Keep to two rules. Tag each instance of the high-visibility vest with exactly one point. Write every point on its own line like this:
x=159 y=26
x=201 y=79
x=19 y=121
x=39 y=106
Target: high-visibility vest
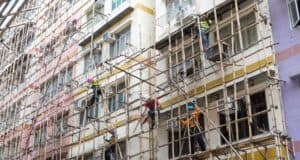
x=204 y=25
x=95 y=83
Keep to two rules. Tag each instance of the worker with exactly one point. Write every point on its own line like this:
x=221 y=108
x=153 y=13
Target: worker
x=150 y=104
x=193 y=123
x=110 y=153
x=96 y=90
x=204 y=26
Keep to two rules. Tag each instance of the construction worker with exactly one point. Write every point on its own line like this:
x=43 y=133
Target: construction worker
x=110 y=153
x=96 y=90
x=204 y=26
x=150 y=104
x=193 y=123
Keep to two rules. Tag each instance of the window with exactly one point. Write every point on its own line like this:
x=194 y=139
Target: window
x=294 y=12
x=90 y=112
x=260 y=120
x=94 y=19
x=69 y=75
x=51 y=87
x=40 y=136
x=120 y=44
x=92 y=60
x=61 y=125
x=54 y=86
x=12 y=115
x=61 y=80
x=248 y=31
x=192 y=62
x=53 y=14
x=13 y=147
x=260 y=123
x=116 y=98
x=249 y=34
x=243 y=130
x=117 y=3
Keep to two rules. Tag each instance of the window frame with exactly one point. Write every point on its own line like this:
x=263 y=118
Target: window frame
x=61 y=125
x=119 y=46
x=293 y=23
x=40 y=135
x=116 y=4
x=256 y=115
x=89 y=60
x=177 y=62
x=245 y=31
x=115 y=93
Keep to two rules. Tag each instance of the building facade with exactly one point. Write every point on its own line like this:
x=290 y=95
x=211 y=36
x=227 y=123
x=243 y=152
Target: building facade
x=286 y=33
x=75 y=84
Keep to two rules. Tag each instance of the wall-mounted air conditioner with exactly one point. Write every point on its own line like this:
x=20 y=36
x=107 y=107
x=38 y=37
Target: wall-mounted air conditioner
x=108 y=37
x=212 y=53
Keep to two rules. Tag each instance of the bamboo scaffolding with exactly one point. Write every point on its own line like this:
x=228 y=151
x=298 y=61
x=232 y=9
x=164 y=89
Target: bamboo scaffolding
x=154 y=146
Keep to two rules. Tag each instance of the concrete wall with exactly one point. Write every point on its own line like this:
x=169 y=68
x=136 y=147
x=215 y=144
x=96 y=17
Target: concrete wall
x=288 y=57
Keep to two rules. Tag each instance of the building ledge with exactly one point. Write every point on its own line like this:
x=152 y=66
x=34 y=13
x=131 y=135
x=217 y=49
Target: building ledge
x=116 y=16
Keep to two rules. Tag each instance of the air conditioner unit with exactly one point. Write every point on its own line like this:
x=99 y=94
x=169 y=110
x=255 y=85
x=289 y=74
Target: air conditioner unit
x=221 y=105
x=108 y=37
x=212 y=52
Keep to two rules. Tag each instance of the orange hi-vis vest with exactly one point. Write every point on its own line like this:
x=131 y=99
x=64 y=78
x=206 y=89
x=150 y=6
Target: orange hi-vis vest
x=193 y=119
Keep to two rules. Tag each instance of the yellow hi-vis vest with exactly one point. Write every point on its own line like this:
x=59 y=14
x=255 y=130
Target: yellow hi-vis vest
x=204 y=26
x=95 y=83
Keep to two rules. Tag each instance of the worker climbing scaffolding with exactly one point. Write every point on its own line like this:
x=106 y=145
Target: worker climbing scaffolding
x=151 y=104
x=203 y=27
x=96 y=90
x=110 y=152
x=196 y=132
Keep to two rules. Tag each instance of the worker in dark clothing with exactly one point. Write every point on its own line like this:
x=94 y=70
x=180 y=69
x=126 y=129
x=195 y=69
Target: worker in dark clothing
x=193 y=123
x=96 y=90
x=110 y=152
x=151 y=104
